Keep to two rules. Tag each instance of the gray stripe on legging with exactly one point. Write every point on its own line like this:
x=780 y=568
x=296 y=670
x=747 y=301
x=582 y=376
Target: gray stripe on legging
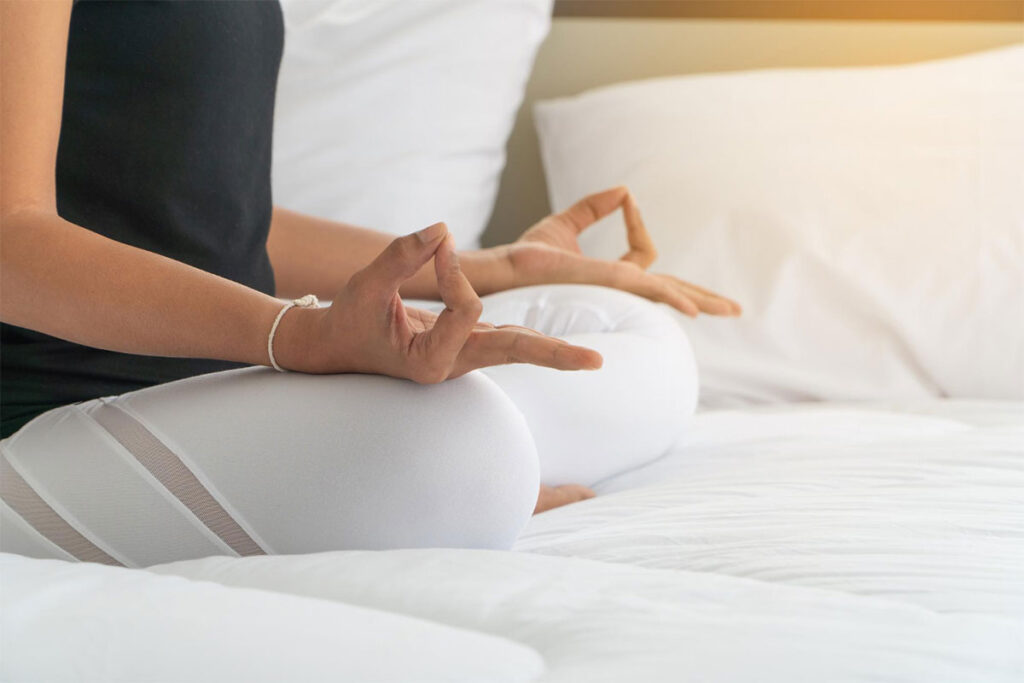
x=31 y=507
x=175 y=475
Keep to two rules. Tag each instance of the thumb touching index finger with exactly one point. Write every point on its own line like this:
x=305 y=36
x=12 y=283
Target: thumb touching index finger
x=402 y=258
x=462 y=306
x=641 y=246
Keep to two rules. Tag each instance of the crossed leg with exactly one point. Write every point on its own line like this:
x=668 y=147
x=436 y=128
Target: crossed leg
x=251 y=461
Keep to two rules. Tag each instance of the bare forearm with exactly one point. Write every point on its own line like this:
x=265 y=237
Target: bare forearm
x=317 y=256
x=71 y=283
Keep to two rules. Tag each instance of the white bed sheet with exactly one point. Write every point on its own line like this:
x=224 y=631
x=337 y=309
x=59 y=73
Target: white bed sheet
x=598 y=622
x=805 y=543
x=921 y=503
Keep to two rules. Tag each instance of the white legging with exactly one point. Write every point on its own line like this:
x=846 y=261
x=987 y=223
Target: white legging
x=252 y=461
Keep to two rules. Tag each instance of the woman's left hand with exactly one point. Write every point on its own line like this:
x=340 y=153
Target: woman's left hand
x=549 y=253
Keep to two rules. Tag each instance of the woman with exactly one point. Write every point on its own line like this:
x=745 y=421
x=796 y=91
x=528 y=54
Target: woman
x=146 y=270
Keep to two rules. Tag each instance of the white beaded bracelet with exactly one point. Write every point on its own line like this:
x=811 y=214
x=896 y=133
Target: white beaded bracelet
x=308 y=301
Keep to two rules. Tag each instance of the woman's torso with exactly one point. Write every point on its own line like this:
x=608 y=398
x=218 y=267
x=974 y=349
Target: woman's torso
x=165 y=144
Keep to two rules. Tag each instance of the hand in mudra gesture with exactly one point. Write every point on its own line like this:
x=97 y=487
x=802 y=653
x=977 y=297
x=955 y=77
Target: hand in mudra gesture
x=368 y=329
x=549 y=252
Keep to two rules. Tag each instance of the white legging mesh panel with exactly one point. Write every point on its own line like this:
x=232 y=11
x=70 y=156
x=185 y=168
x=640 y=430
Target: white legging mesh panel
x=172 y=473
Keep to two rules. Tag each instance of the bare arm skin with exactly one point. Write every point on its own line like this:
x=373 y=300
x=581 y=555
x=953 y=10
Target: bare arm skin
x=63 y=280
x=318 y=256
x=66 y=281
x=315 y=255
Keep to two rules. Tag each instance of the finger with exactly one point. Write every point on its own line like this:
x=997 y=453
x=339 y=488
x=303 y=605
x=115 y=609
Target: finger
x=655 y=288
x=707 y=304
x=399 y=261
x=641 y=246
x=702 y=290
x=462 y=309
x=530 y=346
x=711 y=304
x=628 y=277
x=503 y=346
x=593 y=208
x=659 y=290
x=528 y=330
x=715 y=303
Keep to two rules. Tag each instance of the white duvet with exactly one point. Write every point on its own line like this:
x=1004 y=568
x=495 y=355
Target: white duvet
x=816 y=543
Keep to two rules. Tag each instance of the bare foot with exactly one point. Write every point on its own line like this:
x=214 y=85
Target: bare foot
x=557 y=496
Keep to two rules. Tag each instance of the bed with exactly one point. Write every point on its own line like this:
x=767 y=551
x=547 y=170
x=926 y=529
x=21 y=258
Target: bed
x=822 y=542
x=828 y=514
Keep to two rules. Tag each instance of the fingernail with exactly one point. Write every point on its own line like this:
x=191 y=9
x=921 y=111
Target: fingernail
x=431 y=233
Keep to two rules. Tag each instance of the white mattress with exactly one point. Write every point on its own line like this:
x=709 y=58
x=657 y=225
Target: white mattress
x=819 y=542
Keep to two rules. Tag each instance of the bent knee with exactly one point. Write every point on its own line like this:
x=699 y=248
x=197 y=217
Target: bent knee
x=411 y=466
x=589 y=426
x=476 y=485
x=632 y=332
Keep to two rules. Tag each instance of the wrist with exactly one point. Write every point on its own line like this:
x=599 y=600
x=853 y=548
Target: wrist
x=489 y=270
x=298 y=342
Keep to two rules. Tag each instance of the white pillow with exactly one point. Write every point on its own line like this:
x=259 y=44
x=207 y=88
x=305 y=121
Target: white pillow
x=871 y=220
x=394 y=114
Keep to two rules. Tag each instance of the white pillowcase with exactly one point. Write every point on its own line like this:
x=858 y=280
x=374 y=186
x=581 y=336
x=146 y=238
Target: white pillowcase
x=871 y=220
x=394 y=114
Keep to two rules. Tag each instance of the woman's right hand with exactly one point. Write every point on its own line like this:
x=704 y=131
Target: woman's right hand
x=368 y=330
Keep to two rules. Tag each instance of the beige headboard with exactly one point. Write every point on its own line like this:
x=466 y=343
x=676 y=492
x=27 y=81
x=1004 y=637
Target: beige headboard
x=583 y=53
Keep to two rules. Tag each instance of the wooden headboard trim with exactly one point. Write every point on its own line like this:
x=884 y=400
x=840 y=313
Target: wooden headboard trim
x=887 y=10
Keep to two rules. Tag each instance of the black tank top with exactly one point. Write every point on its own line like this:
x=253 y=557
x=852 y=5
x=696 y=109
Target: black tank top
x=164 y=145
